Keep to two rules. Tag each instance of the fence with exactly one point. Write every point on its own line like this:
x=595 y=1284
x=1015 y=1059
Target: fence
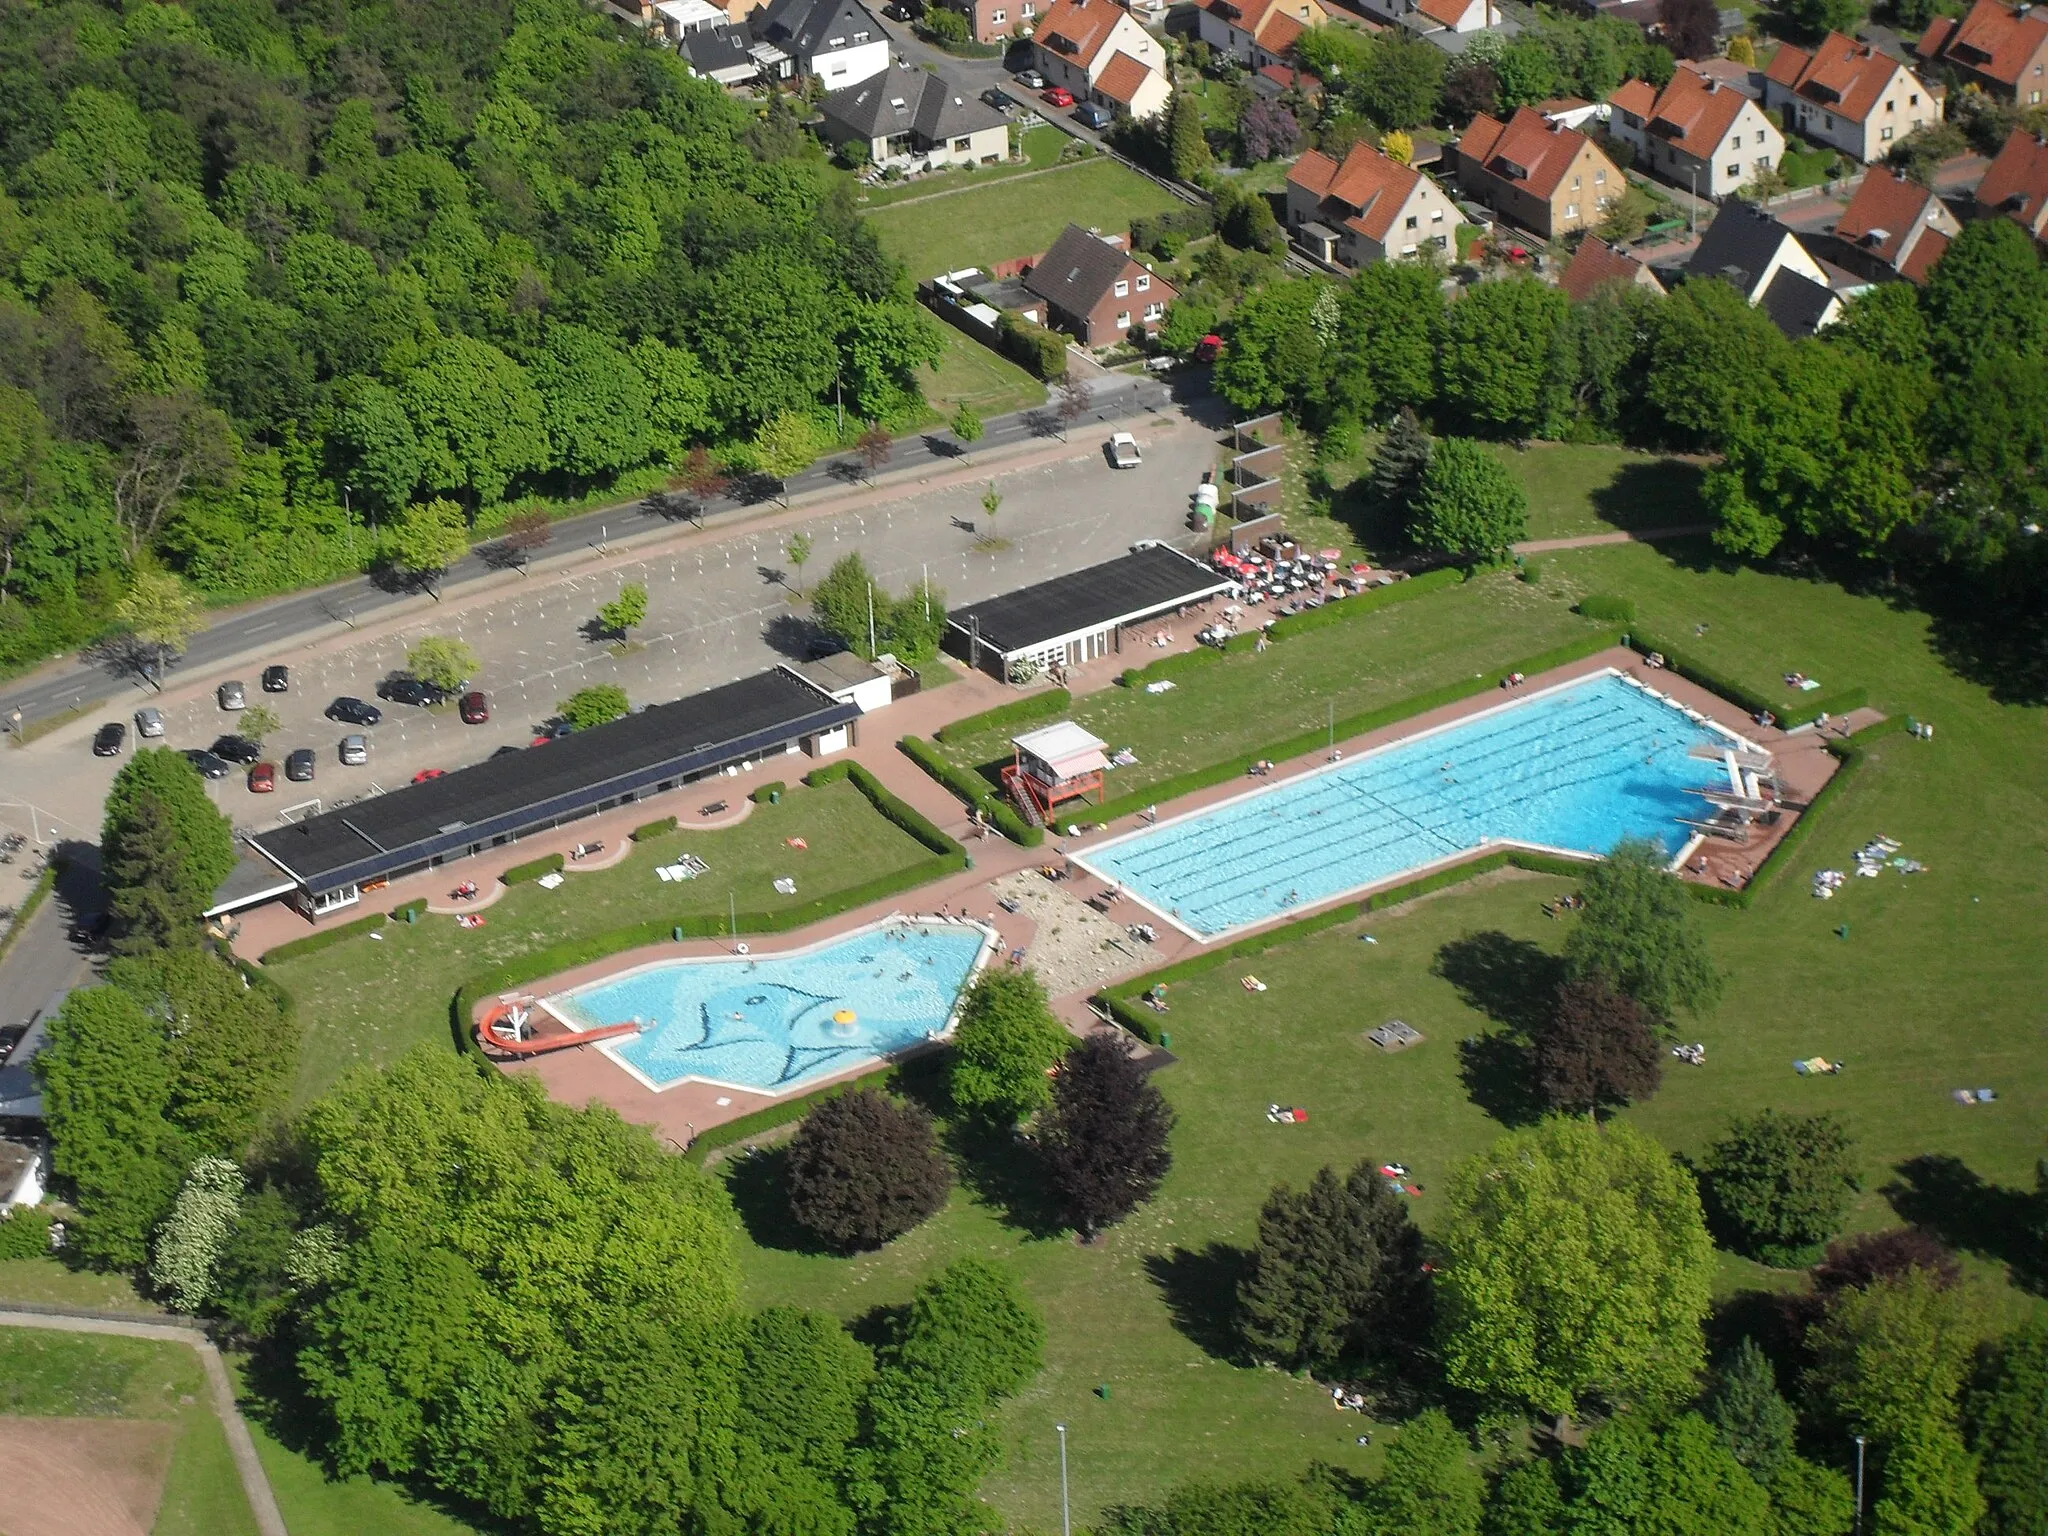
x=1260 y=454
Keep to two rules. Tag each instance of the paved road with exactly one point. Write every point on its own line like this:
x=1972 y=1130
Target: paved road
x=262 y=1502
x=283 y=622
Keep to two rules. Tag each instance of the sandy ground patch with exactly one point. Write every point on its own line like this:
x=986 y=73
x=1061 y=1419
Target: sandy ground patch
x=1073 y=947
x=83 y=1477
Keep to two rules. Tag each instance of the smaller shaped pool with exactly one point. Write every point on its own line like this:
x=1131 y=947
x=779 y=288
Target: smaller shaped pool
x=770 y=1023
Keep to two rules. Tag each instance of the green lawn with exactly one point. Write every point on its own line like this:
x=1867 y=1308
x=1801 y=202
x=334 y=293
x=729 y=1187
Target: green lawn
x=90 y=1376
x=368 y=1001
x=1002 y=220
x=1041 y=146
x=47 y=1282
x=315 y=1505
x=1936 y=986
x=1246 y=700
x=970 y=373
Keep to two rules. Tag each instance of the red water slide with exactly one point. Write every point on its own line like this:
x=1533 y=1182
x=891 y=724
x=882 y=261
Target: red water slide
x=490 y=1039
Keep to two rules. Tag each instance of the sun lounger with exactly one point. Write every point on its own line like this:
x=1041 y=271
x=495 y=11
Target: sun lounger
x=549 y=882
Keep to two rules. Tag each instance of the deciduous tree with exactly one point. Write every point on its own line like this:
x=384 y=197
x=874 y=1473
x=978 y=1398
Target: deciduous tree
x=599 y=704
x=477 y=418
x=1638 y=931
x=1778 y=1185
x=875 y=447
x=1678 y=1481
x=626 y=612
x=444 y=661
x=432 y=536
x=1104 y=1137
x=1470 y=505
x=786 y=444
x=1005 y=1047
x=864 y=1169
x=966 y=425
x=526 y=532
x=162 y=613
x=2006 y=1416
x=1597 y=1049
x=1891 y=1357
x=1497 y=350
x=189 y=1243
x=1930 y=1485
x=799 y=555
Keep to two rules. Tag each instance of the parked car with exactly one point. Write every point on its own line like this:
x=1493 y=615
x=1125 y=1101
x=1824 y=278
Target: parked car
x=476 y=709
x=896 y=13
x=236 y=749
x=299 y=766
x=209 y=766
x=149 y=722
x=355 y=751
x=1060 y=96
x=354 y=711
x=1094 y=115
x=409 y=690
x=554 y=730
x=1123 y=451
x=108 y=742
x=277 y=679
x=232 y=696
x=263 y=778
x=1000 y=99
x=1031 y=79
x=426 y=775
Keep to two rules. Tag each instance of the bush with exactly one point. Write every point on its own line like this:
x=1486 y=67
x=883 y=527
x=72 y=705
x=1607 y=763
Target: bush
x=1832 y=704
x=1038 y=351
x=1607 y=608
x=1032 y=707
x=654 y=829
x=405 y=909
x=1777 y=1186
x=1182 y=224
x=518 y=874
x=763 y=792
x=865 y=1169
x=25 y=1232
x=313 y=943
x=976 y=791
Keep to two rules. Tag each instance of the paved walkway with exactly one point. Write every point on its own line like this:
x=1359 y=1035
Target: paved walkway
x=255 y=1484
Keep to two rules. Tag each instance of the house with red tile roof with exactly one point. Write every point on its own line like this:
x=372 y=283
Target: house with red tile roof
x=1849 y=95
x=1096 y=289
x=1257 y=32
x=1129 y=87
x=1370 y=208
x=1078 y=39
x=2000 y=48
x=1894 y=227
x=1596 y=264
x=2017 y=183
x=1540 y=175
x=994 y=21
x=1695 y=133
x=1425 y=17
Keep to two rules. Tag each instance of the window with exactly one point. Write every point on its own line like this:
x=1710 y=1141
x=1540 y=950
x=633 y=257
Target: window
x=1734 y=170
x=1437 y=217
x=1599 y=180
x=1913 y=100
x=1030 y=10
x=1759 y=135
x=1408 y=250
x=1123 y=321
x=1576 y=180
x=860 y=37
x=1123 y=288
x=1154 y=311
x=1828 y=118
x=1571 y=210
x=1145 y=282
x=1412 y=222
x=1891 y=106
x=835 y=42
x=1763 y=162
x=1884 y=133
x=963 y=145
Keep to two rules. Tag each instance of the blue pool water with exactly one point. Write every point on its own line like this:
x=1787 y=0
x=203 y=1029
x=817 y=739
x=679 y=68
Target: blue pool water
x=766 y=1022
x=1579 y=767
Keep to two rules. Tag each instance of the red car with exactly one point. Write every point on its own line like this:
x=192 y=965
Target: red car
x=1060 y=96
x=263 y=778
x=476 y=709
x=428 y=773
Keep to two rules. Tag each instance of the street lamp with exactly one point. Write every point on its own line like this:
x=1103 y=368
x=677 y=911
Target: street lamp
x=15 y=721
x=1859 y=1485
x=1066 y=1514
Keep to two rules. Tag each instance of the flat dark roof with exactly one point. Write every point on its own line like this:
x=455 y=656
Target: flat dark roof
x=507 y=795
x=1121 y=591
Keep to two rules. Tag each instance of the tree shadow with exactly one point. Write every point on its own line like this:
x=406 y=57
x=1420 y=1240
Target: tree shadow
x=128 y=659
x=799 y=638
x=1043 y=423
x=759 y=1184
x=1200 y=1291
x=750 y=490
x=501 y=556
x=1943 y=1194
x=999 y=1169
x=672 y=507
x=944 y=447
x=596 y=631
x=847 y=471
x=1512 y=981
x=880 y=1327
x=1499 y=1074
x=1654 y=493
x=1998 y=645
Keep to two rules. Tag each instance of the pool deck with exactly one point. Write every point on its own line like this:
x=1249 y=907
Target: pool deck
x=1079 y=970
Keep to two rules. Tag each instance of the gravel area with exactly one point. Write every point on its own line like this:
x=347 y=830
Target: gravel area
x=1075 y=948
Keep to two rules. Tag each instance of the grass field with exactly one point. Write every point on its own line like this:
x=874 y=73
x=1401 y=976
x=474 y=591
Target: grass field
x=48 y=1374
x=1001 y=220
x=970 y=373
x=368 y=1001
x=1244 y=701
x=1935 y=986
x=1041 y=146
x=315 y=1505
x=47 y=1282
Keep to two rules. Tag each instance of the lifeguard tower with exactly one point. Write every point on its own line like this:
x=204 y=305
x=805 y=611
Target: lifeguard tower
x=1054 y=764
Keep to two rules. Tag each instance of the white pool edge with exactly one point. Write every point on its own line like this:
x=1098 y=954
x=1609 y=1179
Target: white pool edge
x=1351 y=893
x=990 y=942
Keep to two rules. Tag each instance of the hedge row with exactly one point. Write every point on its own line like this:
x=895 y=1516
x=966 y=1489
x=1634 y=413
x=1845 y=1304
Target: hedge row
x=325 y=938
x=760 y=793
x=654 y=829
x=1608 y=608
x=551 y=864
x=25 y=1232
x=1695 y=671
x=45 y=883
x=1828 y=704
x=896 y=1081
x=699 y=925
x=1033 y=706
x=1038 y=351
x=1191 y=222
x=417 y=904
x=1170 y=667
x=1350 y=725
x=975 y=791
x=1121 y=999
x=903 y=814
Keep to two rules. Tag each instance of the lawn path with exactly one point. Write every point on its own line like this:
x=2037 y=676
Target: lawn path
x=1618 y=536
x=255 y=1485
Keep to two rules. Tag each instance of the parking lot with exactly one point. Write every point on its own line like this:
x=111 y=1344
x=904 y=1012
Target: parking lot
x=721 y=605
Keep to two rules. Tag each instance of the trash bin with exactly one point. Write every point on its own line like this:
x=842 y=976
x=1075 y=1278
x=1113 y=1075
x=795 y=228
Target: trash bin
x=775 y=797
x=1165 y=1040
x=677 y=933
x=1102 y=1391
x=412 y=914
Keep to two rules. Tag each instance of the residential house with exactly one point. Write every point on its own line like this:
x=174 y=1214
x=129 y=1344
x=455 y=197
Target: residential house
x=1571 y=111
x=1440 y=19
x=678 y=19
x=1133 y=89
x=913 y=117
x=1596 y=264
x=1894 y=228
x=837 y=42
x=1096 y=289
x=996 y=21
x=1999 y=48
x=1769 y=266
x=1695 y=133
x=2017 y=183
x=1740 y=77
x=1848 y=95
x=1257 y=32
x=1542 y=176
x=1076 y=40
x=723 y=54
x=1274 y=81
x=1370 y=208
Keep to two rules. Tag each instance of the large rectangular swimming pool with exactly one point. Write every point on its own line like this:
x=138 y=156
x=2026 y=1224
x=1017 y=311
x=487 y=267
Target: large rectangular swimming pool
x=1577 y=767
x=771 y=1023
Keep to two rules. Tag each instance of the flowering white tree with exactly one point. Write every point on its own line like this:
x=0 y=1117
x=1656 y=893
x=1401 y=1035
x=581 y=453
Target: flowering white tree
x=188 y=1243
